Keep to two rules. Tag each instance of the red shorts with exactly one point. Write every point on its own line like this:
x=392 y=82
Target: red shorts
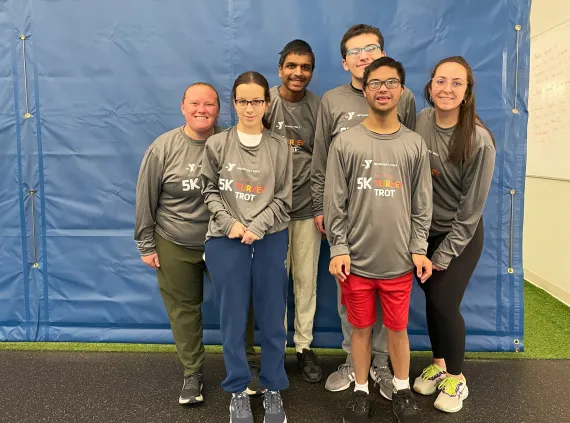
x=359 y=298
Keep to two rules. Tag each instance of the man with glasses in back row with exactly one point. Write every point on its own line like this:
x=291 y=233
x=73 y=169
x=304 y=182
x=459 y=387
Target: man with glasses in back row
x=342 y=108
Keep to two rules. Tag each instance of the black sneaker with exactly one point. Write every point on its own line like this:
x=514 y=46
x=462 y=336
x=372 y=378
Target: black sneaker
x=405 y=408
x=311 y=370
x=254 y=388
x=192 y=389
x=358 y=408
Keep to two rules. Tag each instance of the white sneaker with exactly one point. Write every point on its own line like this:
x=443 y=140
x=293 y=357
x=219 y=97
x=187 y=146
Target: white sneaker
x=453 y=392
x=428 y=381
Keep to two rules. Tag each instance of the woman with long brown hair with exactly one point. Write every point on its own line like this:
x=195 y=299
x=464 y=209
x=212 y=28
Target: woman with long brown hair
x=462 y=157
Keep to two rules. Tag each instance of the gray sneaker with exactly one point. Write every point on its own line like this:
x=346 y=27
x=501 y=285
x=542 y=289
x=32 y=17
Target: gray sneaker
x=341 y=379
x=382 y=376
x=274 y=411
x=240 y=409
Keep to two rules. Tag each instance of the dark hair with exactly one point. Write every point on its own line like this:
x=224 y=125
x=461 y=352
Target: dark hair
x=355 y=31
x=205 y=84
x=384 y=61
x=253 y=77
x=464 y=132
x=299 y=47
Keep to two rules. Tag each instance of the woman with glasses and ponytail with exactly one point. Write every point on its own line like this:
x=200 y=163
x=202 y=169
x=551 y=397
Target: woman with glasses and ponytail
x=247 y=173
x=462 y=156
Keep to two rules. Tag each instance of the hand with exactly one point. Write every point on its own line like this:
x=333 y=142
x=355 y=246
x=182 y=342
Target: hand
x=238 y=230
x=320 y=224
x=249 y=238
x=151 y=260
x=423 y=267
x=436 y=267
x=340 y=267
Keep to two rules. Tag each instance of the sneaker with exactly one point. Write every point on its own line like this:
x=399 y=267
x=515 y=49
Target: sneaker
x=311 y=371
x=341 y=379
x=453 y=392
x=405 y=408
x=358 y=408
x=254 y=388
x=240 y=409
x=192 y=389
x=274 y=411
x=428 y=381
x=382 y=376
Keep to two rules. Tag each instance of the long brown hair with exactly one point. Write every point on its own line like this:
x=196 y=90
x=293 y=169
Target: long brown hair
x=464 y=132
x=252 y=77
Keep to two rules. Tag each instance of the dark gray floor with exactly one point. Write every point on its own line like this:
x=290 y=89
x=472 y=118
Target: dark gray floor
x=125 y=387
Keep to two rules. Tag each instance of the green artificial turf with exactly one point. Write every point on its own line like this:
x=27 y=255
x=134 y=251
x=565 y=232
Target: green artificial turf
x=547 y=336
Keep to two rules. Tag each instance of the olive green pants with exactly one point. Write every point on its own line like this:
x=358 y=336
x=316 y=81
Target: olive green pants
x=181 y=282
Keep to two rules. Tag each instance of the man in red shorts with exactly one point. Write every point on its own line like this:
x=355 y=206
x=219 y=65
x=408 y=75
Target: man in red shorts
x=377 y=207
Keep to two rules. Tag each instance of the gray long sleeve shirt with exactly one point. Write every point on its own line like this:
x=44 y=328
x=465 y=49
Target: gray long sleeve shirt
x=252 y=185
x=342 y=108
x=377 y=200
x=459 y=189
x=296 y=122
x=169 y=197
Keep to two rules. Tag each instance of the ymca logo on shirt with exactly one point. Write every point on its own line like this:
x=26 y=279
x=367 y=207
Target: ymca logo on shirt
x=192 y=167
x=281 y=124
x=230 y=166
x=351 y=115
x=368 y=163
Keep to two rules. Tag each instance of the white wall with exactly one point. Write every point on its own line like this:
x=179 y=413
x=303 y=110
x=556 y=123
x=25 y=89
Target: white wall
x=546 y=245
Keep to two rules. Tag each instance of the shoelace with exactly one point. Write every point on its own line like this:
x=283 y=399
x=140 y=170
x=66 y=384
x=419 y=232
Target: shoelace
x=344 y=369
x=381 y=372
x=242 y=405
x=449 y=386
x=192 y=381
x=272 y=402
x=359 y=404
x=405 y=403
x=430 y=372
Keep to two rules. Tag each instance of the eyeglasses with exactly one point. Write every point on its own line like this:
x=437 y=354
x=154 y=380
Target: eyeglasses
x=369 y=49
x=376 y=84
x=456 y=84
x=242 y=104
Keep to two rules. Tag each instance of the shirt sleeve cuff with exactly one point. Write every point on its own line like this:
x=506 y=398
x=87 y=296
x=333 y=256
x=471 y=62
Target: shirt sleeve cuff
x=339 y=250
x=254 y=230
x=418 y=246
x=228 y=229
x=441 y=259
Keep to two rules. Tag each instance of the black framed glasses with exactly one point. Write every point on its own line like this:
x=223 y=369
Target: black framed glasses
x=369 y=49
x=376 y=84
x=242 y=103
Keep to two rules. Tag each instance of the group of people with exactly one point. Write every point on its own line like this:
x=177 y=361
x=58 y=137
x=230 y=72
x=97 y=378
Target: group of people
x=398 y=196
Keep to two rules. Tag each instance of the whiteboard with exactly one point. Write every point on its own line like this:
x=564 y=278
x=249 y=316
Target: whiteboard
x=548 y=147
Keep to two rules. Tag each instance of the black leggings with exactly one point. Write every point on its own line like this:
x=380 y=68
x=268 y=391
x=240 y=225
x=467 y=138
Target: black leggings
x=444 y=292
